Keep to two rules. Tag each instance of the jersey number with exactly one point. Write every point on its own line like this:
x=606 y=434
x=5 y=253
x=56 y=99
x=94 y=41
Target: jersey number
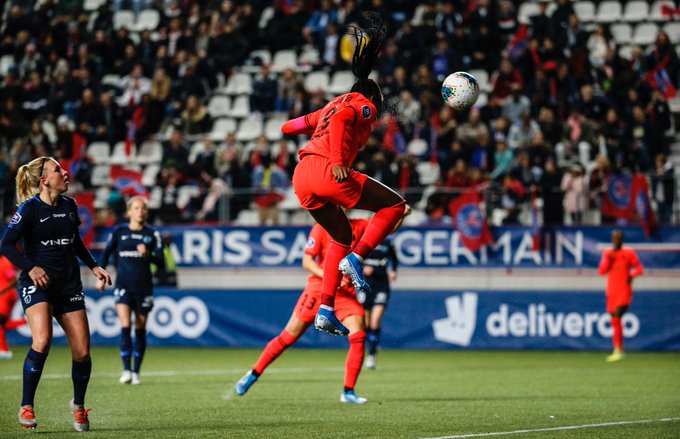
x=327 y=118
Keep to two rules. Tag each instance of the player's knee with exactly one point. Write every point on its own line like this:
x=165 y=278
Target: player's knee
x=81 y=355
x=41 y=343
x=358 y=337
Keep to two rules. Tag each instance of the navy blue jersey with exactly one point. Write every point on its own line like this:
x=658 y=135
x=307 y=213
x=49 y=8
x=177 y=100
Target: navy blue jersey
x=50 y=239
x=380 y=257
x=133 y=271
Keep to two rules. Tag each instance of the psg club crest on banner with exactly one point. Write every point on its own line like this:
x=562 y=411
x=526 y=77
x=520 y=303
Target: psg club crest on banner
x=469 y=221
x=619 y=191
x=128 y=185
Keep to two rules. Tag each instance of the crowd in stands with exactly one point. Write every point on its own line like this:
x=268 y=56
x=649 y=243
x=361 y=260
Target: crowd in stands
x=562 y=108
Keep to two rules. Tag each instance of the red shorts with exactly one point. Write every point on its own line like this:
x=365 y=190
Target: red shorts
x=315 y=185
x=616 y=300
x=346 y=304
x=7 y=302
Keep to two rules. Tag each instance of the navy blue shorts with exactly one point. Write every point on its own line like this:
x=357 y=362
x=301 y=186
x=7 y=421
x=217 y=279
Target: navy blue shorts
x=379 y=295
x=140 y=303
x=64 y=296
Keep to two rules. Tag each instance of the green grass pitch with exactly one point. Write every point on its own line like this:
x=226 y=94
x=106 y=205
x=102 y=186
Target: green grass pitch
x=187 y=393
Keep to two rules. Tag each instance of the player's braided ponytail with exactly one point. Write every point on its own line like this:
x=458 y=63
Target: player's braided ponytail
x=369 y=41
x=28 y=178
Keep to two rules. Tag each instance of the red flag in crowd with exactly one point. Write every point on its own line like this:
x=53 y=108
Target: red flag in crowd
x=72 y=164
x=643 y=207
x=470 y=221
x=127 y=181
x=617 y=199
x=85 y=201
x=535 y=224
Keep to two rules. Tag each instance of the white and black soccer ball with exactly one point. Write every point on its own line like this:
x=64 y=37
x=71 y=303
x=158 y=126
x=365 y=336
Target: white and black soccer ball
x=460 y=90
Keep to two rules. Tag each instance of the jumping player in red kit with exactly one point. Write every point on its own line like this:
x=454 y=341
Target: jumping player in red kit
x=324 y=182
x=620 y=264
x=8 y=297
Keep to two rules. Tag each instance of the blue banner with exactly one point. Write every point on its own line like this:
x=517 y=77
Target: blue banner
x=423 y=247
x=414 y=320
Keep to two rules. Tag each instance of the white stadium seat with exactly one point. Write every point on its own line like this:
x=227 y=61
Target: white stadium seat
x=239 y=84
x=151 y=152
x=148 y=19
x=284 y=59
x=222 y=127
x=482 y=78
x=428 y=172
x=241 y=107
x=119 y=157
x=673 y=31
x=150 y=174
x=655 y=10
x=645 y=33
x=417 y=147
x=635 y=11
x=609 y=12
x=585 y=11
x=315 y=81
x=272 y=128
x=124 y=19
x=101 y=197
x=185 y=194
x=6 y=62
x=101 y=175
x=250 y=128
x=99 y=152
x=622 y=33
x=219 y=105
x=341 y=82
x=526 y=10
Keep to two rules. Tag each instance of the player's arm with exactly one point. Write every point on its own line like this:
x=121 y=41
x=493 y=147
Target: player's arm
x=156 y=251
x=9 y=249
x=309 y=263
x=111 y=246
x=301 y=125
x=339 y=123
x=635 y=263
x=605 y=262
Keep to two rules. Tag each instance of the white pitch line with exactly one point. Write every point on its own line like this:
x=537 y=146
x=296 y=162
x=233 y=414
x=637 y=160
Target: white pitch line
x=567 y=427
x=172 y=373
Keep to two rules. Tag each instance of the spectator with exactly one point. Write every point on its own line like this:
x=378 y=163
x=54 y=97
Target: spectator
x=226 y=153
x=575 y=195
x=175 y=152
x=195 y=117
x=663 y=189
x=579 y=140
x=512 y=197
x=270 y=183
x=504 y=160
x=134 y=85
x=516 y=104
x=316 y=26
x=522 y=132
x=263 y=96
x=597 y=186
x=551 y=192
x=468 y=132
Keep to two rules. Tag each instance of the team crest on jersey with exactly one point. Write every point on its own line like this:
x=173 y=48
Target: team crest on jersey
x=366 y=111
x=16 y=218
x=310 y=243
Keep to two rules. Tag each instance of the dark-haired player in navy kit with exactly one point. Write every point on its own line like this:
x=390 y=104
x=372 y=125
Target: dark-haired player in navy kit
x=134 y=246
x=378 y=276
x=49 y=284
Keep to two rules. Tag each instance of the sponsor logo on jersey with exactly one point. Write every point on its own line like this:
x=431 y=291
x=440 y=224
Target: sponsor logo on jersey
x=42 y=220
x=15 y=218
x=130 y=254
x=52 y=242
x=310 y=243
x=366 y=111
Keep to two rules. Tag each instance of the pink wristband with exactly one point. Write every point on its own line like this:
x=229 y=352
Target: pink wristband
x=299 y=123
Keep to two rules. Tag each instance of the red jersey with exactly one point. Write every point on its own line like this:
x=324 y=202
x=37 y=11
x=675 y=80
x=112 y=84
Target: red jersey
x=620 y=266
x=8 y=273
x=319 y=241
x=339 y=129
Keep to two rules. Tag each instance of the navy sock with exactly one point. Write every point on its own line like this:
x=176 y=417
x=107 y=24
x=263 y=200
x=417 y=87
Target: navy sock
x=80 y=374
x=33 y=367
x=140 y=348
x=125 y=347
x=373 y=338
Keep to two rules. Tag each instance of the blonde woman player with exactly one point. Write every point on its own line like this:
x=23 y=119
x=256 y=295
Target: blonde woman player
x=134 y=246
x=49 y=284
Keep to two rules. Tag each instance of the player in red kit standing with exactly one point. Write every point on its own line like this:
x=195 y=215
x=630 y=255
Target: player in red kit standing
x=8 y=297
x=324 y=182
x=620 y=264
x=349 y=311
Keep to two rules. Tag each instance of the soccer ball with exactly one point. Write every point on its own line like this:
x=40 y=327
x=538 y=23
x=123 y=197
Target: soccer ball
x=460 y=90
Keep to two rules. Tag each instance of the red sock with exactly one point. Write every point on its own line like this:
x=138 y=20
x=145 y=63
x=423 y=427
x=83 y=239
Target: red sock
x=11 y=325
x=3 y=339
x=618 y=333
x=331 y=273
x=355 y=357
x=274 y=348
x=379 y=227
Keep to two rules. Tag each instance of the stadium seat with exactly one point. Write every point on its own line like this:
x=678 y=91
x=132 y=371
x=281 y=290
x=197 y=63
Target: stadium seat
x=482 y=100
x=101 y=176
x=416 y=218
x=622 y=33
x=645 y=33
x=300 y=217
x=124 y=19
x=151 y=152
x=655 y=11
x=6 y=62
x=482 y=78
x=526 y=10
x=417 y=147
x=272 y=128
x=428 y=172
x=185 y=194
x=50 y=130
x=111 y=81
x=155 y=198
x=238 y=84
x=673 y=31
x=418 y=14
x=626 y=51
x=249 y=128
x=119 y=157
x=222 y=127
x=308 y=57
x=101 y=197
x=609 y=12
x=148 y=19
x=285 y=59
x=290 y=200
x=341 y=82
x=267 y=14
x=150 y=173
x=255 y=60
x=92 y=5
x=219 y=105
x=99 y=152
x=247 y=217
x=317 y=81
x=636 y=10
x=585 y=11
x=195 y=150
x=241 y=107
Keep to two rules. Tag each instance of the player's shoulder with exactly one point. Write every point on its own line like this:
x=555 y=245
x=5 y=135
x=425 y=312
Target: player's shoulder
x=69 y=201
x=25 y=210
